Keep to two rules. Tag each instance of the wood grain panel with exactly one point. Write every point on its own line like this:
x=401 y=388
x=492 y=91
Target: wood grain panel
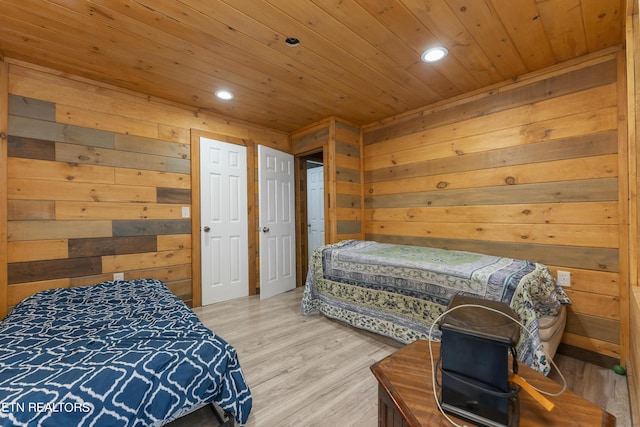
x=70 y=210
x=51 y=131
x=582 y=78
x=596 y=190
x=50 y=230
x=165 y=273
x=138 y=144
x=26 y=210
x=111 y=246
x=4 y=215
x=78 y=116
x=602 y=306
x=592 y=344
x=114 y=263
x=565 y=235
x=505 y=130
x=529 y=213
x=37 y=250
x=17 y=293
x=634 y=351
x=151 y=227
x=554 y=171
x=33 y=108
x=309 y=141
x=602 y=143
x=173 y=133
x=108 y=157
x=593 y=327
x=592 y=282
x=173 y=195
x=60 y=171
x=33 y=189
x=173 y=241
x=148 y=178
x=34 y=271
x=349 y=227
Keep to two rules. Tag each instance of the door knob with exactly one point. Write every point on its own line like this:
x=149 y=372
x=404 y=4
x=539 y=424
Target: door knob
x=265 y=229
x=206 y=229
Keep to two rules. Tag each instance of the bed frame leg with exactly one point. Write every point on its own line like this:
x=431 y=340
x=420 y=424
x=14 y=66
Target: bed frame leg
x=228 y=423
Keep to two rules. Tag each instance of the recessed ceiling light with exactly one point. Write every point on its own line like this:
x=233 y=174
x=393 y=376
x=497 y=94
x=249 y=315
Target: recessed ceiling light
x=224 y=94
x=292 y=41
x=434 y=54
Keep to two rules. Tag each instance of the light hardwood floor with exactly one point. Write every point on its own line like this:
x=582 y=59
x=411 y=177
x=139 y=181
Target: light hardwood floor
x=313 y=371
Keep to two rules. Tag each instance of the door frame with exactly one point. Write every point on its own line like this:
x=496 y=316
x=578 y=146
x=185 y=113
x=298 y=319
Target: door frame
x=302 y=241
x=196 y=249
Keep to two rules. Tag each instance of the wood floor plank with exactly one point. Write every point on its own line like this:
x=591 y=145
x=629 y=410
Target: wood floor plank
x=314 y=371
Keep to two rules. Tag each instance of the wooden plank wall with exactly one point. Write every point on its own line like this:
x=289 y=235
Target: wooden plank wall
x=632 y=28
x=349 y=202
x=4 y=114
x=529 y=169
x=340 y=144
x=97 y=179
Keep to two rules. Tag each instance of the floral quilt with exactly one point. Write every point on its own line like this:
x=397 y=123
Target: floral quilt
x=400 y=290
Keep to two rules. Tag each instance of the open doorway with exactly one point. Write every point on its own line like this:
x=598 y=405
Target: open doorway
x=315 y=206
x=311 y=208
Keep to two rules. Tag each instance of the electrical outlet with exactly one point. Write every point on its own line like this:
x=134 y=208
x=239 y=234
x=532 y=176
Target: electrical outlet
x=564 y=278
x=118 y=276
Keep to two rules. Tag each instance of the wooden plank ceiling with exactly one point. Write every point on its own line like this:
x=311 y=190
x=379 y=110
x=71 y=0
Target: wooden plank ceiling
x=357 y=59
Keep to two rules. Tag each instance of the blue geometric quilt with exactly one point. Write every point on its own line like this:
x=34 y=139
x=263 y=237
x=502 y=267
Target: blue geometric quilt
x=125 y=353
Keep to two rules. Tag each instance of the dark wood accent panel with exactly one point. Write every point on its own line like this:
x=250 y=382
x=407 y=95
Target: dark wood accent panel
x=92 y=155
x=151 y=227
x=305 y=141
x=33 y=108
x=111 y=246
x=31 y=210
x=578 y=80
x=600 y=259
x=42 y=129
x=347 y=149
x=348 y=201
x=30 y=148
x=593 y=327
x=597 y=359
x=53 y=269
x=349 y=227
x=347 y=175
x=174 y=195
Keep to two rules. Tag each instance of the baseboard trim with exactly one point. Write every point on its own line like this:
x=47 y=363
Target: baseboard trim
x=588 y=356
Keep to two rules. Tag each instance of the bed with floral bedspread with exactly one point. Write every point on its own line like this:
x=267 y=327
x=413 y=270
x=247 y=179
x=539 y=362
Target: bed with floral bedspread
x=400 y=290
x=125 y=353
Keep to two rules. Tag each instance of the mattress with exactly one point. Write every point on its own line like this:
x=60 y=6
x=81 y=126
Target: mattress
x=551 y=329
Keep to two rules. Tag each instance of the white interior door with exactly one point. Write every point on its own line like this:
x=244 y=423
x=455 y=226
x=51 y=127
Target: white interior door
x=315 y=208
x=277 y=222
x=224 y=221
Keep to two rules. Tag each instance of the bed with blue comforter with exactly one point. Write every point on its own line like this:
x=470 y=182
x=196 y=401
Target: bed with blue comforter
x=400 y=290
x=125 y=353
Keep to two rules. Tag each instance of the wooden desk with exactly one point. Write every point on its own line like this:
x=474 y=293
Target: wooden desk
x=405 y=395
